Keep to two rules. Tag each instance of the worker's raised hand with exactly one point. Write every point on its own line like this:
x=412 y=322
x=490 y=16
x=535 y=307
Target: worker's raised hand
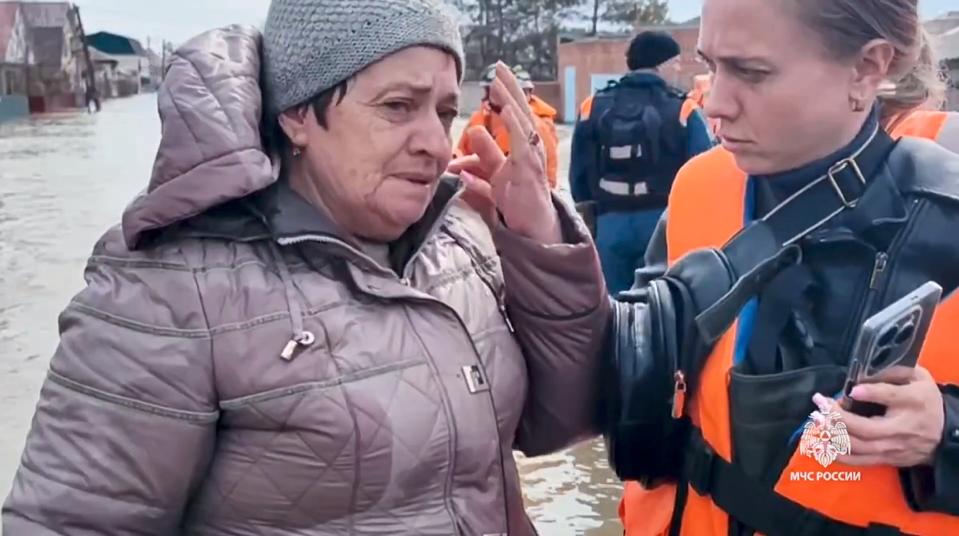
x=514 y=187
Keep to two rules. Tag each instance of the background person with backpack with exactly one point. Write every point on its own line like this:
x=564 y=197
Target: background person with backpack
x=629 y=143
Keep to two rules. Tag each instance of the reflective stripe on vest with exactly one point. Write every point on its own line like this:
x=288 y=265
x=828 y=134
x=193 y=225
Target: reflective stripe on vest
x=706 y=209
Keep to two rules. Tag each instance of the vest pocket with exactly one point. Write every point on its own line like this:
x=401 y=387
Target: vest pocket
x=766 y=411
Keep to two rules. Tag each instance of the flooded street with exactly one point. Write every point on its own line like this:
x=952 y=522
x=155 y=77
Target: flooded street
x=63 y=181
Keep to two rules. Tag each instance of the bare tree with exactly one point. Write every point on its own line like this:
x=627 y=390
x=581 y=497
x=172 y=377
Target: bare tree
x=629 y=13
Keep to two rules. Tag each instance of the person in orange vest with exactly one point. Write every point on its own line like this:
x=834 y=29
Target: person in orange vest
x=837 y=200
x=941 y=126
x=921 y=119
x=488 y=117
x=696 y=100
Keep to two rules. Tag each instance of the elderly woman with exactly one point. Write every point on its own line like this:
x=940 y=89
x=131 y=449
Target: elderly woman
x=336 y=345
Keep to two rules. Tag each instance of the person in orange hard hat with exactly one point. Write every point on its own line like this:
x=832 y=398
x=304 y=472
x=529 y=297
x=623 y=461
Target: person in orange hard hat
x=488 y=117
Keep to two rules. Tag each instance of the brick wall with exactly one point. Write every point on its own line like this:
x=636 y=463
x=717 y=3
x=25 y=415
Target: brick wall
x=608 y=56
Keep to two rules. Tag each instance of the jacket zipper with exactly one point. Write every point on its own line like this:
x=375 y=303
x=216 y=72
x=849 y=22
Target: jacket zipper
x=876 y=282
x=499 y=442
x=436 y=225
x=500 y=297
x=405 y=280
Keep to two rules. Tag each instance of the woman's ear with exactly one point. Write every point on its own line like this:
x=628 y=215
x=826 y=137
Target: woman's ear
x=871 y=69
x=293 y=122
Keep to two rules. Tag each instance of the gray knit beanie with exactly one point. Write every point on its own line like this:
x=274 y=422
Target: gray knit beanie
x=313 y=45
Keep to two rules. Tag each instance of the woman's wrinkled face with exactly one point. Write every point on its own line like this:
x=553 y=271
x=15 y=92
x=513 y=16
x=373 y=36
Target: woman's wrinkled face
x=781 y=99
x=376 y=164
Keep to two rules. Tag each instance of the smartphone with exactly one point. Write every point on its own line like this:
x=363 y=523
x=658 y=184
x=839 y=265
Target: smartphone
x=888 y=345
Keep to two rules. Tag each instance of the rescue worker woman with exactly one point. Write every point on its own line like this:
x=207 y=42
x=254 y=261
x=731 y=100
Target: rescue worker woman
x=828 y=60
x=796 y=92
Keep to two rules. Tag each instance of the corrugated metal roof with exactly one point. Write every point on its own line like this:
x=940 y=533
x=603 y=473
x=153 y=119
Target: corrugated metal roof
x=118 y=45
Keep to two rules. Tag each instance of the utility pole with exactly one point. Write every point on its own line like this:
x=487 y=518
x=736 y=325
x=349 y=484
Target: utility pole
x=91 y=94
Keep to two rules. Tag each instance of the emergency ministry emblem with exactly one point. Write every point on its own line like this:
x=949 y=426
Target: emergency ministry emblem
x=825 y=438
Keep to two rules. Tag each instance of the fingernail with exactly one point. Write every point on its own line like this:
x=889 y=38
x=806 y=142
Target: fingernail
x=857 y=392
x=821 y=402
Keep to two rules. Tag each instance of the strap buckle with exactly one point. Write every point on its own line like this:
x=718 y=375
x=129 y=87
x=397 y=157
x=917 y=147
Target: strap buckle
x=838 y=167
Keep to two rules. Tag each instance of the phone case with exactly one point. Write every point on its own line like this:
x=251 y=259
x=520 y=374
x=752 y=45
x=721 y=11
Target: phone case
x=889 y=343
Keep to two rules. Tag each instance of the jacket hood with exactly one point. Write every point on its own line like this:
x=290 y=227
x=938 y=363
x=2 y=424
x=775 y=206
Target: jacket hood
x=211 y=149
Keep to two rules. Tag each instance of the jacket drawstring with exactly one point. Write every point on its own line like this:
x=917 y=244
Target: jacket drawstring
x=301 y=337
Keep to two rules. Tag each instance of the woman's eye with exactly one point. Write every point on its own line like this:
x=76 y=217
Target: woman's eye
x=752 y=75
x=397 y=106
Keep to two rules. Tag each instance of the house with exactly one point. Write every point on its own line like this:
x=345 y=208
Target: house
x=56 y=78
x=133 y=63
x=105 y=74
x=15 y=58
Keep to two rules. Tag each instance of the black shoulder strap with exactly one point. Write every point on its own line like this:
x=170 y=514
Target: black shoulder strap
x=757 y=506
x=753 y=249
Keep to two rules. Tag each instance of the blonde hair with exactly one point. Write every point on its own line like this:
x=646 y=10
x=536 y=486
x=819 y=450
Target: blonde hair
x=915 y=79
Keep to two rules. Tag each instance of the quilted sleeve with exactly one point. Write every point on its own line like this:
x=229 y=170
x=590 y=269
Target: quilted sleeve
x=125 y=425
x=558 y=302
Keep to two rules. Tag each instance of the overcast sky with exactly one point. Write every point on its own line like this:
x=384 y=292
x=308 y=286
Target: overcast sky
x=178 y=20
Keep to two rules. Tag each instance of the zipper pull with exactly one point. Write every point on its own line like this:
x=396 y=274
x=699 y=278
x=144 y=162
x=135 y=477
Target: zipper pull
x=882 y=260
x=679 y=394
x=509 y=323
x=302 y=340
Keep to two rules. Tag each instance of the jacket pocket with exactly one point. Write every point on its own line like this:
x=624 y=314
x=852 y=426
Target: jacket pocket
x=300 y=388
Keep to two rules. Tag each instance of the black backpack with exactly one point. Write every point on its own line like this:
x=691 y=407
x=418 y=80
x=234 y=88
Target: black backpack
x=640 y=145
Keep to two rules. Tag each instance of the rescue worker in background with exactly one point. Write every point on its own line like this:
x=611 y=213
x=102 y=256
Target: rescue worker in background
x=791 y=345
x=488 y=116
x=628 y=145
x=696 y=100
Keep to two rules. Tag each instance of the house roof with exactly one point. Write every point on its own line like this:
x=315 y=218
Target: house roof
x=47 y=46
x=8 y=21
x=115 y=44
x=46 y=14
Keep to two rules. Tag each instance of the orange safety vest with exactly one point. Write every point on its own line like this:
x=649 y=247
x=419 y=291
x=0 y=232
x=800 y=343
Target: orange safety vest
x=920 y=123
x=543 y=114
x=585 y=108
x=706 y=209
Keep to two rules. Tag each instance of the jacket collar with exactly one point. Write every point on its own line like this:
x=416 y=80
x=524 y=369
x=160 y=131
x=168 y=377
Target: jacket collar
x=642 y=78
x=280 y=214
x=881 y=209
x=290 y=220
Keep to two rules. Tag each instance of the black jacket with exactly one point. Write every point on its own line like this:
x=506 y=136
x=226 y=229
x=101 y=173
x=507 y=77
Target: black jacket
x=900 y=235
